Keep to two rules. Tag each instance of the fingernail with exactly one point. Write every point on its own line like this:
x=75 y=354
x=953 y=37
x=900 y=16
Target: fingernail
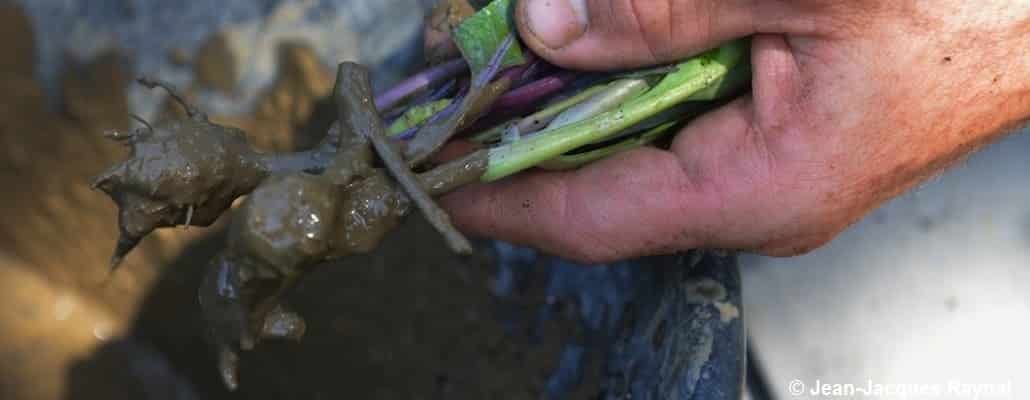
x=556 y=23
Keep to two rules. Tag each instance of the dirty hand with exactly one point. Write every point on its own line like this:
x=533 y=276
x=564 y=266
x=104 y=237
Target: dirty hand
x=852 y=103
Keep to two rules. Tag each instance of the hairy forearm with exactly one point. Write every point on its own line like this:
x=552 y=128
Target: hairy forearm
x=943 y=78
x=984 y=66
x=943 y=81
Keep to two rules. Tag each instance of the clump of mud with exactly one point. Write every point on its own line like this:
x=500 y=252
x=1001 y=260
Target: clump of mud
x=411 y=320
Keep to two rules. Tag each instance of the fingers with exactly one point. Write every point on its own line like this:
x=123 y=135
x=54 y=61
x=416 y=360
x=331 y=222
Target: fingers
x=611 y=210
x=615 y=34
x=772 y=168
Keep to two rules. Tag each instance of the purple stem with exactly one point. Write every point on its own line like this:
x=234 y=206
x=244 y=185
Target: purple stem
x=406 y=134
x=532 y=73
x=390 y=98
x=487 y=74
x=390 y=116
x=523 y=99
x=517 y=73
x=443 y=91
x=512 y=73
x=523 y=96
x=534 y=91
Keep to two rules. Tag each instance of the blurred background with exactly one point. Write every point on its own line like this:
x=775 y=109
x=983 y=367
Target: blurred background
x=930 y=289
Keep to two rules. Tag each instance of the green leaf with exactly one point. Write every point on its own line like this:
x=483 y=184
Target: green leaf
x=480 y=35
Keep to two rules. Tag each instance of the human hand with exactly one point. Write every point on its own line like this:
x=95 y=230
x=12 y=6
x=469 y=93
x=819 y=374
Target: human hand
x=852 y=103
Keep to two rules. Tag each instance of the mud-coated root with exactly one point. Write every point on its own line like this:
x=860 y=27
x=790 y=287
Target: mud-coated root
x=241 y=305
x=303 y=208
x=356 y=110
x=287 y=225
x=189 y=172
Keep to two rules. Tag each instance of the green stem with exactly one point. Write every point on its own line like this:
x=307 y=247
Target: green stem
x=570 y=161
x=692 y=76
x=731 y=84
x=540 y=118
x=616 y=93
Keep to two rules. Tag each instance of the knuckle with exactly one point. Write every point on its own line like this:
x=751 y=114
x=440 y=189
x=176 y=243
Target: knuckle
x=653 y=23
x=673 y=28
x=702 y=26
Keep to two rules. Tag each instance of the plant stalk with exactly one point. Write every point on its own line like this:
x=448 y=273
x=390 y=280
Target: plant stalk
x=692 y=76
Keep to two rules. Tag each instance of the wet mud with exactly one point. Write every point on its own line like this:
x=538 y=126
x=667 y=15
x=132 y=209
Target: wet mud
x=306 y=207
x=409 y=321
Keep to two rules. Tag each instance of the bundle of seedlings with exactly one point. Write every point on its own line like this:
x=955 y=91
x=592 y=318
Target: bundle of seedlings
x=375 y=163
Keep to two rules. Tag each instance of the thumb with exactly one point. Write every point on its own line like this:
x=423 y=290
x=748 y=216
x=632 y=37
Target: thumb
x=617 y=34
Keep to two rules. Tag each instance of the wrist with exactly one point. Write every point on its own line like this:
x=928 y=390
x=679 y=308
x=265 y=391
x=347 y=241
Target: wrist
x=968 y=63
x=991 y=39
